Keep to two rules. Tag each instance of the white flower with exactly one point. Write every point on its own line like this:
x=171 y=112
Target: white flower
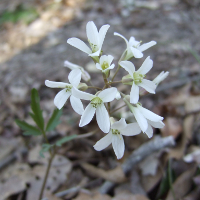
x=62 y=96
x=95 y=39
x=96 y=105
x=118 y=96
x=151 y=124
x=163 y=75
x=138 y=78
x=105 y=63
x=145 y=118
x=118 y=129
x=85 y=75
x=134 y=48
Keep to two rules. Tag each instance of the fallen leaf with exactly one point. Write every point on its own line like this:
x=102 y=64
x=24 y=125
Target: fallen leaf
x=90 y=196
x=192 y=104
x=194 y=195
x=149 y=165
x=12 y=186
x=149 y=182
x=129 y=196
x=172 y=127
x=182 y=184
x=115 y=175
x=179 y=150
x=193 y=156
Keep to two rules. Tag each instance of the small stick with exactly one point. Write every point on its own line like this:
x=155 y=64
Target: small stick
x=139 y=154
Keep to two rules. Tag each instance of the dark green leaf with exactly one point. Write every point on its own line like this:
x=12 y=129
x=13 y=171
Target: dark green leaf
x=65 y=139
x=37 y=112
x=54 y=120
x=29 y=129
x=45 y=148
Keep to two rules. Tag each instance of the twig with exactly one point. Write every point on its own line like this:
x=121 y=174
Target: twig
x=139 y=154
x=177 y=83
x=73 y=189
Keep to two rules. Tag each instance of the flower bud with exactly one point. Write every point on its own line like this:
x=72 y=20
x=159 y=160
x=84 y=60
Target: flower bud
x=82 y=86
x=163 y=75
x=127 y=80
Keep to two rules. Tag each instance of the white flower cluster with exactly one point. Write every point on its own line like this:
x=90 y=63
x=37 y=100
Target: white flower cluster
x=100 y=102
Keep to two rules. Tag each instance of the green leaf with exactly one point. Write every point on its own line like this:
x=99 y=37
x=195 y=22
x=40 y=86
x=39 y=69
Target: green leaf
x=37 y=112
x=54 y=120
x=45 y=148
x=65 y=139
x=29 y=129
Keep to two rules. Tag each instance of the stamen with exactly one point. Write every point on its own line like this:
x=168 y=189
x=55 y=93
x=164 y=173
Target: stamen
x=96 y=102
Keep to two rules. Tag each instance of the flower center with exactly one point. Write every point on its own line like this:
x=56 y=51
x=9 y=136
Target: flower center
x=115 y=132
x=93 y=47
x=96 y=101
x=105 y=65
x=138 y=77
x=137 y=45
x=68 y=88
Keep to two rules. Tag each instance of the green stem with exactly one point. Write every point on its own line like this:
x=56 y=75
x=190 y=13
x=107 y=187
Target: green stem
x=46 y=175
x=117 y=109
x=116 y=72
x=170 y=179
x=114 y=82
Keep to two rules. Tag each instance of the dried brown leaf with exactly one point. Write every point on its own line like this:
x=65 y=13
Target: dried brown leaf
x=182 y=184
x=129 y=196
x=179 y=150
x=172 y=127
x=116 y=175
x=192 y=104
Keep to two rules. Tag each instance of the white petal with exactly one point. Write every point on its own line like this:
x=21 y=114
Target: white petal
x=145 y=46
x=103 y=59
x=127 y=43
x=149 y=86
x=61 y=98
x=128 y=66
x=102 y=33
x=75 y=77
x=141 y=120
x=92 y=33
x=98 y=66
x=79 y=44
x=76 y=105
x=119 y=125
x=160 y=77
x=53 y=84
x=136 y=53
x=133 y=42
x=134 y=95
x=146 y=66
x=111 y=66
x=110 y=59
x=82 y=95
x=159 y=124
x=149 y=131
x=149 y=115
x=95 y=53
x=103 y=142
x=102 y=117
x=71 y=65
x=108 y=94
x=118 y=145
x=87 y=116
x=131 y=129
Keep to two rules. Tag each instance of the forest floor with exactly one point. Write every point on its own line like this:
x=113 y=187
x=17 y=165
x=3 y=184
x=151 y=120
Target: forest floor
x=33 y=48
